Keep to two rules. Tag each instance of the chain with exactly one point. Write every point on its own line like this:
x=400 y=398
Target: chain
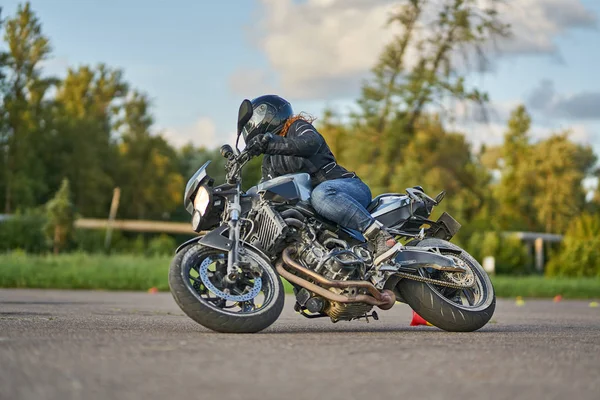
x=434 y=281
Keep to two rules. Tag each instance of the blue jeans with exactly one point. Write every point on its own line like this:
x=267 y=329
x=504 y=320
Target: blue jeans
x=344 y=201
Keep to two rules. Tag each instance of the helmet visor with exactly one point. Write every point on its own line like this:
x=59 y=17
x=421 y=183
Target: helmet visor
x=250 y=129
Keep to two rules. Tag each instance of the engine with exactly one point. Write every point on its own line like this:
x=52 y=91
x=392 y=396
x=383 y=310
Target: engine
x=335 y=260
x=321 y=260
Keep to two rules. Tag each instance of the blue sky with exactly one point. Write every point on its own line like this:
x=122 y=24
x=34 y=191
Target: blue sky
x=198 y=59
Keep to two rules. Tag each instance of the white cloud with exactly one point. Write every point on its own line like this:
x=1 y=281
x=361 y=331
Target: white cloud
x=537 y=23
x=577 y=106
x=251 y=82
x=203 y=133
x=581 y=134
x=493 y=112
x=323 y=48
x=477 y=134
x=323 y=43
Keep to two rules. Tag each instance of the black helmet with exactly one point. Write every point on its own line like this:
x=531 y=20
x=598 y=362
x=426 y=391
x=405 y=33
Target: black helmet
x=269 y=115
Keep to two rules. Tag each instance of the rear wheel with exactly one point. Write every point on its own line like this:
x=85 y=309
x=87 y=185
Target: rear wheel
x=250 y=304
x=456 y=310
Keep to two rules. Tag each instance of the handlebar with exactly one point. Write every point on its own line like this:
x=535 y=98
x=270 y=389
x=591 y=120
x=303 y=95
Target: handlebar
x=235 y=163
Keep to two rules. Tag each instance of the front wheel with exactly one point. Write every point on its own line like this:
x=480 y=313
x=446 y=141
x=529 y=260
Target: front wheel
x=454 y=310
x=197 y=279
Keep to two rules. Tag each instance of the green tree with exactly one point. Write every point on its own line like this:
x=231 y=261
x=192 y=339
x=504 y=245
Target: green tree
x=580 y=252
x=594 y=205
x=541 y=183
x=23 y=106
x=60 y=218
x=336 y=135
x=191 y=158
x=560 y=167
x=441 y=160
x=3 y=118
x=517 y=189
x=83 y=147
x=151 y=184
x=399 y=93
x=252 y=173
x=511 y=257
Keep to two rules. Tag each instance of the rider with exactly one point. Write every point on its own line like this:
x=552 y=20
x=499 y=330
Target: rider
x=291 y=144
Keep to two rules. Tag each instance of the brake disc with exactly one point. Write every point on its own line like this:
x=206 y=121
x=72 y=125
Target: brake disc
x=203 y=271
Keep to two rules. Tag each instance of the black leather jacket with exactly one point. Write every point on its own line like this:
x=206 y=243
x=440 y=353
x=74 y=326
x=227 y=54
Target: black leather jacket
x=303 y=149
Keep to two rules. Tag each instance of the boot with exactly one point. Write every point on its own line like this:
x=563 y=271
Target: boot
x=384 y=244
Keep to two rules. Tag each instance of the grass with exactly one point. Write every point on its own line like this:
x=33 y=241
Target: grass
x=539 y=286
x=84 y=271
x=130 y=272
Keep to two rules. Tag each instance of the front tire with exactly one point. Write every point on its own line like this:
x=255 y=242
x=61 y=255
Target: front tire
x=444 y=307
x=197 y=300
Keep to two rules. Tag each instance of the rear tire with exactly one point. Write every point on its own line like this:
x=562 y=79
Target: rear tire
x=427 y=300
x=222 y=320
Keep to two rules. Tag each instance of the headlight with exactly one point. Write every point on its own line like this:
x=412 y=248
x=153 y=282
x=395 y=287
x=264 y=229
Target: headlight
x=202 y=200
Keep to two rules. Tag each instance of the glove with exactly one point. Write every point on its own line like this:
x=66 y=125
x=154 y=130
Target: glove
x=259 y=144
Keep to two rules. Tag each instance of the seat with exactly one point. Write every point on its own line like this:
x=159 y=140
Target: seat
x=377 y=200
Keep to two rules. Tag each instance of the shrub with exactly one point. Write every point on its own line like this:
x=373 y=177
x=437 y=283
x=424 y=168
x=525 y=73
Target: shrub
x=24 y=231
x=137 y=245
x=161 y=245
x=511 y=256
x=579 y=255
x=60 y=216
x=92 y=241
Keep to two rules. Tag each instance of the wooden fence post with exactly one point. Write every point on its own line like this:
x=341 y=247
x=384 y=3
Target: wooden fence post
x=114 y=206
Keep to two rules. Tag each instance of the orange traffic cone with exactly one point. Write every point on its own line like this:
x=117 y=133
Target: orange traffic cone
x=418 y=320
x=153 y=290
x=557 y=298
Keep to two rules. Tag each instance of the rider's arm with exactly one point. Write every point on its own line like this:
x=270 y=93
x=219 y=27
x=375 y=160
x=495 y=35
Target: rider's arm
x=302 y=141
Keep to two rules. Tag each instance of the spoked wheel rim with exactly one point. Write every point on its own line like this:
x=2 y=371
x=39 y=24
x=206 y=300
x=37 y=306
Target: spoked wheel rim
x=472 y=298
x=204 y=277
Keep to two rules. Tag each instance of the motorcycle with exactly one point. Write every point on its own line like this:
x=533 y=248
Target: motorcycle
x=228 y=279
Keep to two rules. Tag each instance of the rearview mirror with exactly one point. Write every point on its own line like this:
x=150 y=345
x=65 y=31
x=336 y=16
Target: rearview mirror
x=244 y=115
x=440 y=196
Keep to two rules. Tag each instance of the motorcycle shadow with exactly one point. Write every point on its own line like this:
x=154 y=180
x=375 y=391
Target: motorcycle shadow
x=493 y=328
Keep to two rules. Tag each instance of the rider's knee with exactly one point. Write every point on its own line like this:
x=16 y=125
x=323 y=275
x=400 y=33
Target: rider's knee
x=323 y=192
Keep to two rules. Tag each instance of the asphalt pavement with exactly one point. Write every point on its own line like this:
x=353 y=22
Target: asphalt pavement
x=109 y=345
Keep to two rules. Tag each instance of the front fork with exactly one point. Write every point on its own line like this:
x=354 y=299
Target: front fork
x=233 y=267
